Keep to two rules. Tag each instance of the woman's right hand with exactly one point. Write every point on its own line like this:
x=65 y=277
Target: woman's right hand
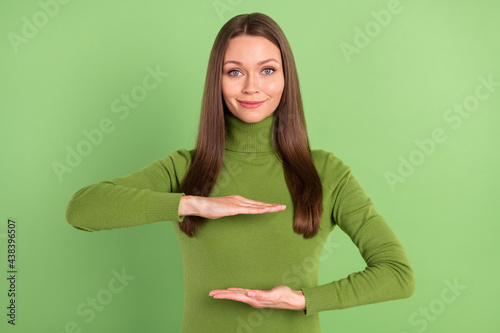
x=215 y=207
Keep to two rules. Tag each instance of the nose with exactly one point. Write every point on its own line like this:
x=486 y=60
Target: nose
x=251 y=85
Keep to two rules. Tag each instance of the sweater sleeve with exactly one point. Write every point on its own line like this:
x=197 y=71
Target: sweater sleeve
x=142 y=197
x=388 y=275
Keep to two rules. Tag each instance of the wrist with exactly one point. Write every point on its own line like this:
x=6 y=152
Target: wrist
x=298 y=301
x=187 y=205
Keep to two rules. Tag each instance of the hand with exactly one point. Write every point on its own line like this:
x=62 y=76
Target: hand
x=215 y=207
x=281 y=297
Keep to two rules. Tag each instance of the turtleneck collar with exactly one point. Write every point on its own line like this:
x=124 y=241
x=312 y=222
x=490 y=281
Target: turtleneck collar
x=249 y=137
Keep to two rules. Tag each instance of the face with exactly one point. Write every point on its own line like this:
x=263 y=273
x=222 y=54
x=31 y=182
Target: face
x=252 y=72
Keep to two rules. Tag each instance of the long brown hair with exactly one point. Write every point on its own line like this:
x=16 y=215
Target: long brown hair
x=289 y=128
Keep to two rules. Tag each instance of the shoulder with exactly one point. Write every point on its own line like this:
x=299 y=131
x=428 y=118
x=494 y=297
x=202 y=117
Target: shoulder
x=329 y=164
x=323 y=157
x=182 y=155
x=178 y=160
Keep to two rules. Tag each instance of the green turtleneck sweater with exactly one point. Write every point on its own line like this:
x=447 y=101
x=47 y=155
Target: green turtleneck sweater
x=255 y=251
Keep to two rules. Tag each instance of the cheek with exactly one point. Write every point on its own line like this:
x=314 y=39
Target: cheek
x=275 y=88
x=229 y=89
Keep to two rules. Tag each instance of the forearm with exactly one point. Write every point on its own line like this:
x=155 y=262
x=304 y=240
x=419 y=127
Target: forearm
x=189 y=205
x=144 y=196
x=382 y=282
x=388 y=275
x=105 y=206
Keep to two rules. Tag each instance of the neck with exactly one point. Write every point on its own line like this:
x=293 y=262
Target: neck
x=249 y=137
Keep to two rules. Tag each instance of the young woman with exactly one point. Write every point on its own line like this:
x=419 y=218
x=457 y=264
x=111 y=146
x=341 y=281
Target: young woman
x=252 y=205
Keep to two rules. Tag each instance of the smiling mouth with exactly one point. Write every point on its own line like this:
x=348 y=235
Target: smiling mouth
x=251 y=104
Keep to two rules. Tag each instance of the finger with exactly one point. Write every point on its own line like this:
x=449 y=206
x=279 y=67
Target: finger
x=238 y=289
x=235 y=296
x=259 y=204
x=216 y=291
x=265 y=204
x=255 y=202
x=242 y=296
x=243 y=199
x=228 y=291
x=262 y=207
x=261 y=210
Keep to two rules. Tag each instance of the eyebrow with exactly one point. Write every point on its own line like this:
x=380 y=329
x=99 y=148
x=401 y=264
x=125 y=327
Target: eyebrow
x=259 y=63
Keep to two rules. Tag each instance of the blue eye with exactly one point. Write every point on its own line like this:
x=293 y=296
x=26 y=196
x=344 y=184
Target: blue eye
x=265 y=71
x=269 y=68
x=231 y=71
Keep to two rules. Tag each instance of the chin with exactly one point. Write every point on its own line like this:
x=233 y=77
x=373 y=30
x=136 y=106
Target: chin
x=252 y=116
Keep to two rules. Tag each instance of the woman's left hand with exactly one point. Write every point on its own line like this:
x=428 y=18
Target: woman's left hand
x=281 y=297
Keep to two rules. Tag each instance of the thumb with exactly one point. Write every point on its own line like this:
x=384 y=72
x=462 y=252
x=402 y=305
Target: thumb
x=252 y=293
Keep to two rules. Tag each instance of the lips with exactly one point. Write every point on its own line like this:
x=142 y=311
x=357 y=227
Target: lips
x=251 y=104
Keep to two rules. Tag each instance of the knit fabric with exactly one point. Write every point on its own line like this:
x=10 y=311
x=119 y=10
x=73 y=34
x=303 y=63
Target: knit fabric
x=255 y=251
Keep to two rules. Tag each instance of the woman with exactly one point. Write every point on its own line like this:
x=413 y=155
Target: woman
x=252 y=205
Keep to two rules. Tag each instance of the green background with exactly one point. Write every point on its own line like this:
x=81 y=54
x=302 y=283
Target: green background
x=368 y=108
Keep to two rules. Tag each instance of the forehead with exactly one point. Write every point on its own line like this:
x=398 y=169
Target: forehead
x=251 y=49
